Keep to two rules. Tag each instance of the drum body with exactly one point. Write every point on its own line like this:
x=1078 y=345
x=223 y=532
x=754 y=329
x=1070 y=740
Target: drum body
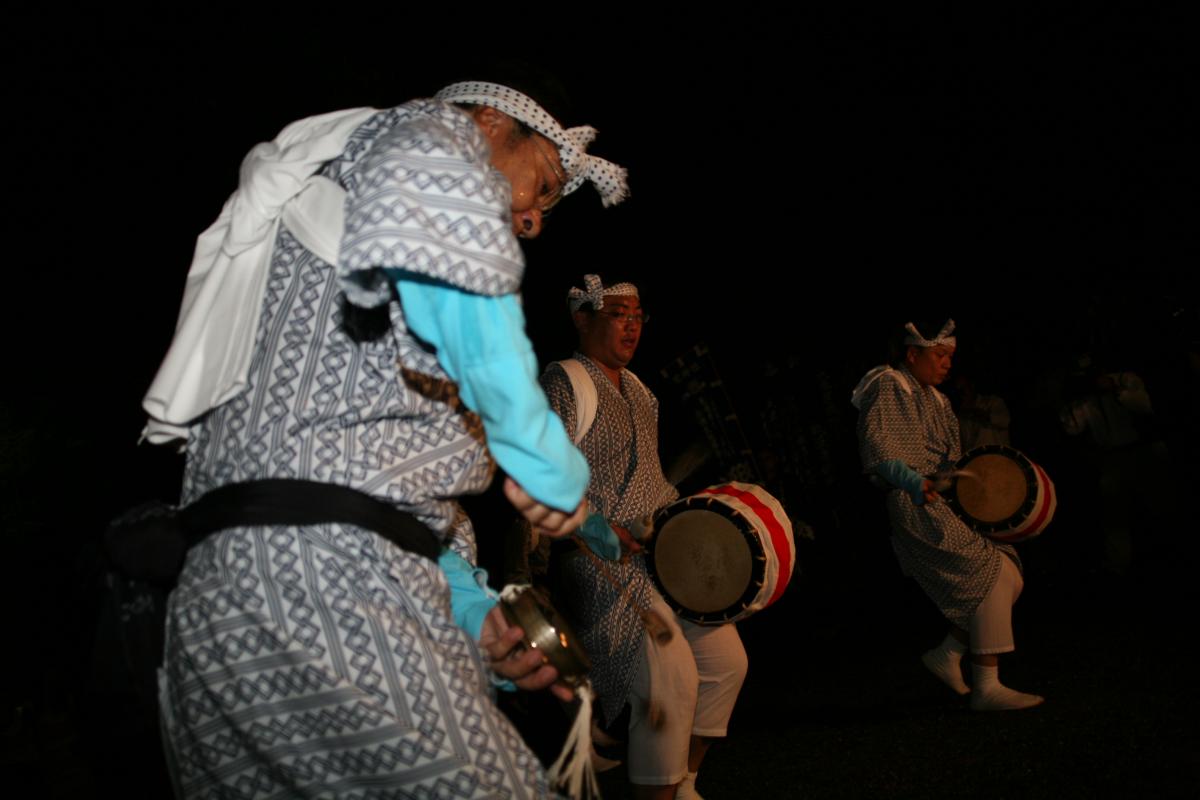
x=722 y=554
x=1004 y=496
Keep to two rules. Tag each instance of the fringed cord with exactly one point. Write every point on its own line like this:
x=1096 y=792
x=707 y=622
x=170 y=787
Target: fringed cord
x=573 y=771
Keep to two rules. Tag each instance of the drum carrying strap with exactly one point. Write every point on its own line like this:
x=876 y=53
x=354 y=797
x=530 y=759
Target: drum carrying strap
x=586 y=398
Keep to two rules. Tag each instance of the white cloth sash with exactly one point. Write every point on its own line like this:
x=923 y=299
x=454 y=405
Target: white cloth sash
x=209 y=359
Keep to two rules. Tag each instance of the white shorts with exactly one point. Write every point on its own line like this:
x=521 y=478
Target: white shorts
x=695 y=682
x=991 y=625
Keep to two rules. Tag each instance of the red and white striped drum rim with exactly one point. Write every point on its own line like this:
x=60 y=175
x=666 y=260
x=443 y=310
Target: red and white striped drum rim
x=722 y=554
x=1007 y=497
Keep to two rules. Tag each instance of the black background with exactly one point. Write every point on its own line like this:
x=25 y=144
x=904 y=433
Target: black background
x=800 y=184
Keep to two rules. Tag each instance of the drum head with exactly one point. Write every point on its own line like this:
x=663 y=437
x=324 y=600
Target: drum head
x=1000 y=492
x=702 y=556
x=706 y=560
x=997 y=489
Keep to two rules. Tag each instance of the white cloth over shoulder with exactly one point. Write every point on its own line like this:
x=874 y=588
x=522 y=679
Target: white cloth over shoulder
x=209 y=358
x=874 y=374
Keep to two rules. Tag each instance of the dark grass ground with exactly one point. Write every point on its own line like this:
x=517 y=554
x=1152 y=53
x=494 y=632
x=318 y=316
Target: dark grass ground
x=826 y=715
x=836 y=703
x=1019 y=171
x=829 y=717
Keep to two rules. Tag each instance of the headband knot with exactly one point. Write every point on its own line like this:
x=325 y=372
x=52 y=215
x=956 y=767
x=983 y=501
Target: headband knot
x=582 y=136
x=609 y=179
x=943 y=336
x=595 y=292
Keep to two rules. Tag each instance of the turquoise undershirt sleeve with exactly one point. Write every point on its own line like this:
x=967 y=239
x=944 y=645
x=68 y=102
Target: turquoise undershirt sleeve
x=481 y=343
x=470 y=597
x=599 y=537
x=470 y=600
x=902 y=476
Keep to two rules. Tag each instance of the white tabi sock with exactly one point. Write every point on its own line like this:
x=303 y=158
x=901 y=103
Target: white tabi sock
x=989 y=694
x=686 y=790
x=945 y=661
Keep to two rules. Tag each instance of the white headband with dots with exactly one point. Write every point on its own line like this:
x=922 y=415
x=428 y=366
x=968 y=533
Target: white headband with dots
x=608 y=178
x=595 y=292
x=943 y=337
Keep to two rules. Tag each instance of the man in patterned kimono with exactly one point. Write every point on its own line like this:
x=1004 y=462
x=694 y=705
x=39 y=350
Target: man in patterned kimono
x=907 y=430
x=323 y=660
x=701 y=668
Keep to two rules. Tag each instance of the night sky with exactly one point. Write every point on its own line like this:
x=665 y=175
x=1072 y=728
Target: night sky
x=800 y=185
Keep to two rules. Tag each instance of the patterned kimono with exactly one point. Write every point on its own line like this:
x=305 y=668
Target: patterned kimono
x=901 y=419
x=627 y=484
x=324 y=661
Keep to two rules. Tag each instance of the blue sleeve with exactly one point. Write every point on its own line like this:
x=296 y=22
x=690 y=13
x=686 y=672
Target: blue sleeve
x=470 y=597
x=599 y=537
x=481 y=343
x=902 y=476
x=470 y=600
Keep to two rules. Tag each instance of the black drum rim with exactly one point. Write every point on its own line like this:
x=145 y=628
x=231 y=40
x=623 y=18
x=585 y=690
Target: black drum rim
x=758 y=559
x=1018 y=517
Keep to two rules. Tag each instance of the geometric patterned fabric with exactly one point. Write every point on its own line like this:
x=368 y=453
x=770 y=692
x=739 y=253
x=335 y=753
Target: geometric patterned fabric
x=323 y=661
x=319 y=406
x=627 y=483
x=954 y=565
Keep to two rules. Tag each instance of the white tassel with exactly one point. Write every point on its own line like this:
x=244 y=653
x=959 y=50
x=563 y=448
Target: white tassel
x=512 y=591
x=573 y=771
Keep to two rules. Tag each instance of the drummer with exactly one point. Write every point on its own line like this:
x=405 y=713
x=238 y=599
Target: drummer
x=907 y=430
x=681 y=693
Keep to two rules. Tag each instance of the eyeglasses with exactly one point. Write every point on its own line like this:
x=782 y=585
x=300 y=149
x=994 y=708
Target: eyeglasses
x=549 y=201
x=618 y=317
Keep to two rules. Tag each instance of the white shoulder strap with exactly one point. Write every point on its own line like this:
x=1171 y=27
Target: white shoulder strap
x=586 y=397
